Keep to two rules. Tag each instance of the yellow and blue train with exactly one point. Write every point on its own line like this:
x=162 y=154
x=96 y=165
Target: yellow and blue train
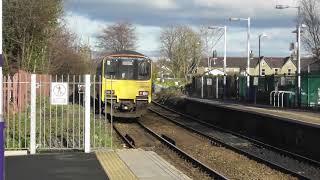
x=126 y=81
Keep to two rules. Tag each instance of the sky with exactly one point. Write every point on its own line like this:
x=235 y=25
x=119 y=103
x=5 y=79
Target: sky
x=87 y=18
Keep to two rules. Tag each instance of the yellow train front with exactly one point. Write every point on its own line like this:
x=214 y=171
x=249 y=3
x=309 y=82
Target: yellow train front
x=126 y=80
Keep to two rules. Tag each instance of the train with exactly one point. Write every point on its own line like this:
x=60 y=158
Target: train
x=126 y=83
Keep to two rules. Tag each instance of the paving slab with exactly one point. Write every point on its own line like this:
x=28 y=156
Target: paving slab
x=147 y=165
x=114 y=166
x=60 y=166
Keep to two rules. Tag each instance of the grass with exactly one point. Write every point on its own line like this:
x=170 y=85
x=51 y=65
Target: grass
x=57 y=127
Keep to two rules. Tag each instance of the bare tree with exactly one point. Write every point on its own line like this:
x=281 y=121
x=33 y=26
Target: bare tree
x=209 y=39
x=117 y=37
x=182 y=46
x=310 y=16
x=66 y=56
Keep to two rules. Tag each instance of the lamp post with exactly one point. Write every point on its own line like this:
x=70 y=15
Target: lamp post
x=224 y=57
x=248 y=49
x=260 y=36
x=298 y=50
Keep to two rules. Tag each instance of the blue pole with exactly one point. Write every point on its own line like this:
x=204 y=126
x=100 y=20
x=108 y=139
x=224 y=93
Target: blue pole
x=2 y=123
x=2 y=126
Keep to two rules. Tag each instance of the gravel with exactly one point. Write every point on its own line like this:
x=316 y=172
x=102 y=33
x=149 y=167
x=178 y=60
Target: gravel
x=147 y=142
x=308 y=170
x=225 y=161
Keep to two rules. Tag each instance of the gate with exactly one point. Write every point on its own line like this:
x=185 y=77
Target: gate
x=44 y=112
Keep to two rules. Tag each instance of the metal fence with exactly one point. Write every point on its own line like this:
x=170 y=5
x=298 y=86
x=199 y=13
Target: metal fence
x=211 y=87
x=34 y=123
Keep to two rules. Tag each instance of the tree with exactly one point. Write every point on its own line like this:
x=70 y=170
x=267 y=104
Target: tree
x=310 y=16
x=117 y=37
x=37 y=40
x=28 y=25
x=66 y=56
x=209 y=38
x=182 y=46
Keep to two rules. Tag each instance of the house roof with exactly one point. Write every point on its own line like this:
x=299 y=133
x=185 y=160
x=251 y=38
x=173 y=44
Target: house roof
x=314 y=64
x=241 y=62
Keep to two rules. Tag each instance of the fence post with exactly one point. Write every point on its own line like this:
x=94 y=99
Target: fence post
x=87 y=114
x=33 y=114
x=217 y=87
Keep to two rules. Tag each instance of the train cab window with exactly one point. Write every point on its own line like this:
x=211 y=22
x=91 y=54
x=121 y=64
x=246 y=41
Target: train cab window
x=110 y=68
x=126 y=69
x=143 y=70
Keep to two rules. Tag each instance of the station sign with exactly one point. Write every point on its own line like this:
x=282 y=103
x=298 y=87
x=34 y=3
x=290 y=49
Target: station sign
x=59 y=93
x=256 y=81
x=209 y=81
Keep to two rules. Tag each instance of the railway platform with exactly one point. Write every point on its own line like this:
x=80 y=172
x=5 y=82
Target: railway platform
x=129 y=164
x=138 y=164
x=292 y=130
x=54 y=166
x=298 y=116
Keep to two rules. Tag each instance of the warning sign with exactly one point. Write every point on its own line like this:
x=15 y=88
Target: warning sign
x=209 y=82
x=319 y=96
x=59 y=93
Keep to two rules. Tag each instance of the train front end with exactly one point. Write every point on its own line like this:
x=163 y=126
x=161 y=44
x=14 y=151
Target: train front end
x=126 y=84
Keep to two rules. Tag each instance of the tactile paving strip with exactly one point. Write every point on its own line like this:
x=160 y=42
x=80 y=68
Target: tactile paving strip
x=147 y=165
x=115 y=168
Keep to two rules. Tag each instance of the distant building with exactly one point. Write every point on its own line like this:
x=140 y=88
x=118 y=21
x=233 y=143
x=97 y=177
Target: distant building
x=268 y=65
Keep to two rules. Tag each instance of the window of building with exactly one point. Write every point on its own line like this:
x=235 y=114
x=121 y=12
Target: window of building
x=263 y=72
x=289 y=72
x=276 y=71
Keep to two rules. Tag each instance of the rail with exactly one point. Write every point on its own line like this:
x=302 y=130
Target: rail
x=124 y=138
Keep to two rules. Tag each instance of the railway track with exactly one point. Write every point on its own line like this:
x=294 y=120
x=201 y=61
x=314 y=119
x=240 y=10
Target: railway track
x=125 y=138
x=287 y=162
x=130 y=142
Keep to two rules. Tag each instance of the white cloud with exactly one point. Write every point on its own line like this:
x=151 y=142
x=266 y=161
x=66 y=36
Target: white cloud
x=160 y=4
x=262 y=8
x=276 y=45
x=86 y=28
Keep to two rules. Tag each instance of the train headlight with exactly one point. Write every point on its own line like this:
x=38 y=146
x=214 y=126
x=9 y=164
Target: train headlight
x=143 y=93
x=108 y=92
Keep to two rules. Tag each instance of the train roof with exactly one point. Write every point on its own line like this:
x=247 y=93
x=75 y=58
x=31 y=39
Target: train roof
x=126 y=53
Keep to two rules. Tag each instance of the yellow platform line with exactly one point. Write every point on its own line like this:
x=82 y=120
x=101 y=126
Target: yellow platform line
x=114 y=167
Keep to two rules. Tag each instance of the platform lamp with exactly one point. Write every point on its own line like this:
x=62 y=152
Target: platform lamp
x=224 y=57
x=248 y=49
x=299 y=26
x=260 y=37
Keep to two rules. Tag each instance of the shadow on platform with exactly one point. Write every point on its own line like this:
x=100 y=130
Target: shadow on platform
x=78 y=166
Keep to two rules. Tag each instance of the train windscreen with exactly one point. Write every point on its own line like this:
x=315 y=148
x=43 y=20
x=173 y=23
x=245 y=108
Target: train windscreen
x=128 y=69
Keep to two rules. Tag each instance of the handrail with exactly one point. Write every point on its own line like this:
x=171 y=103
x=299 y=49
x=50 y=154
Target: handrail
x=279 y=94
